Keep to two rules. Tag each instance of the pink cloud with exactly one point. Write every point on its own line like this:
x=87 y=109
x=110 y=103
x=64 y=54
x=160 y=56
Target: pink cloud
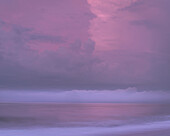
x=85 y=43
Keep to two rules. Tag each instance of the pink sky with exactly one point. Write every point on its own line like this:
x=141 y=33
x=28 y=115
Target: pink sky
x=84 y=43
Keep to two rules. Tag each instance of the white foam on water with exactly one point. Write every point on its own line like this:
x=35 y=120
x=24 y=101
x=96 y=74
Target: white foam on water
x=119 y=95
x=87 y=131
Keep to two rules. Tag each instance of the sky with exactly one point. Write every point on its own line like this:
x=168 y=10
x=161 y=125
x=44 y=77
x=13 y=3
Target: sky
x=84 y=44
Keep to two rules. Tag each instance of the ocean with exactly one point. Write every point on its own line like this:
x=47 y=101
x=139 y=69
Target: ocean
x=84 y=119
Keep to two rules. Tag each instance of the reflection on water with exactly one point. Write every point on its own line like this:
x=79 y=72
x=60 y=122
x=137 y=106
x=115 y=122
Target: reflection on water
x=80 y=115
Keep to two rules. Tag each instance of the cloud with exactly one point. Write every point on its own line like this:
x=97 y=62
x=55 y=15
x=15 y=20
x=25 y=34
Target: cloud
x=46 y=38
x=133 y=41
x=69 y=46
x=22 y=65
x=155 y=19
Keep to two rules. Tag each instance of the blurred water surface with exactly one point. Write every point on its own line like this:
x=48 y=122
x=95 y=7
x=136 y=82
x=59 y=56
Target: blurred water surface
x=92 y=117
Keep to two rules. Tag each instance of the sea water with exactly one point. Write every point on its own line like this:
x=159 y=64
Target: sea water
x=84 y=119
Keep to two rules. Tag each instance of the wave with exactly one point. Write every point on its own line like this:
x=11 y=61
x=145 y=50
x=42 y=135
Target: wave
x=96 y=96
